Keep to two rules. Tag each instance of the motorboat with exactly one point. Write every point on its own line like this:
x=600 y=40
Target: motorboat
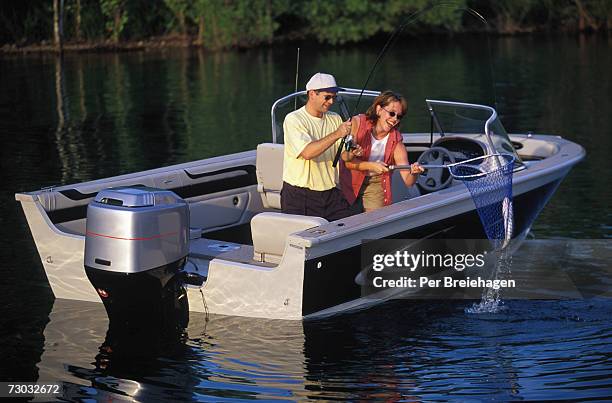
x=209 y=236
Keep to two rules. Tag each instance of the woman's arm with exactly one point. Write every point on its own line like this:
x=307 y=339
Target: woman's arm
x=401 y=158
x=359 y=165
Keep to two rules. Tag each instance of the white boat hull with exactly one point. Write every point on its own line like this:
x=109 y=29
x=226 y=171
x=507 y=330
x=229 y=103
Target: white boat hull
x=236 y=284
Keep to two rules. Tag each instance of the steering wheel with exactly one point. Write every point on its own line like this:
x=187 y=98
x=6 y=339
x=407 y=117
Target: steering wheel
x=435 y=178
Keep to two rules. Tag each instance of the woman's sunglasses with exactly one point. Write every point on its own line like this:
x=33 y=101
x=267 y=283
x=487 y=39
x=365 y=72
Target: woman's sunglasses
x=393 y=114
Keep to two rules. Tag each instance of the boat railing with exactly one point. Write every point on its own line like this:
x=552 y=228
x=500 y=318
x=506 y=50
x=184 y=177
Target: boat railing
x=501 y=136
x=487 y=126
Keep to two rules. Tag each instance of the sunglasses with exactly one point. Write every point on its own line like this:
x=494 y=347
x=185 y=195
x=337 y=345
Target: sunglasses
x=328 y=97
x=393 y=114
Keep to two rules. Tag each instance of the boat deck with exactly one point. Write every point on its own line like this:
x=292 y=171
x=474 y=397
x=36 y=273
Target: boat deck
x=209 y=249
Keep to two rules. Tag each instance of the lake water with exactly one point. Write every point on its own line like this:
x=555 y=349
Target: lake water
x=110 y=114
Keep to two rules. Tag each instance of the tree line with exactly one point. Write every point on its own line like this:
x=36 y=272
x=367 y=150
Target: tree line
x=219 y=24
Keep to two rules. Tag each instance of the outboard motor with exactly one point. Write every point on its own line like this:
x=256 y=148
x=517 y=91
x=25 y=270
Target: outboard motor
x=136 y=246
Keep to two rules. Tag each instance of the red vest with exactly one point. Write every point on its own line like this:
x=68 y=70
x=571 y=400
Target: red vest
x=351 y=180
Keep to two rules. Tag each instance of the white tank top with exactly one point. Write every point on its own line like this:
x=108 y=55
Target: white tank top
x=377 y=152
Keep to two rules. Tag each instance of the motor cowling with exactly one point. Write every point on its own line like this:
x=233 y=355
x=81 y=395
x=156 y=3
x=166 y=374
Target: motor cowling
x=136 y=246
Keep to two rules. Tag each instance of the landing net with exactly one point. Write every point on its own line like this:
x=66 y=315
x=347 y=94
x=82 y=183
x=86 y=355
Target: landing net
x=489 y=180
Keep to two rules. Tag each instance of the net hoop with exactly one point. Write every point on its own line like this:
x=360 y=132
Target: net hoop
x=489 y=180
x=501 y=164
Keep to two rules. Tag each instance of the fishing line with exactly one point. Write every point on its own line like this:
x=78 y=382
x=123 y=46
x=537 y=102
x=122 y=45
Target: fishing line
x=381 y=54
x=411 y=18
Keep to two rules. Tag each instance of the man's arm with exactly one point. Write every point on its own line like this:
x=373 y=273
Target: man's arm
x=318 y=147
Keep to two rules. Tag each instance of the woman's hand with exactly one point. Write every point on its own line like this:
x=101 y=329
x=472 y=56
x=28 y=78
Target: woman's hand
x=377 y=167
x=357 y=151
x=416 y=168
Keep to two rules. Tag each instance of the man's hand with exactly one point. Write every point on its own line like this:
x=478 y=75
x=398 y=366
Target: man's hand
x=344 y=129
x=318 y=147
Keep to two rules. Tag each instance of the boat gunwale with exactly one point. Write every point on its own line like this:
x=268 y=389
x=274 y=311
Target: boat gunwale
x=400 y=210
x=442 y=198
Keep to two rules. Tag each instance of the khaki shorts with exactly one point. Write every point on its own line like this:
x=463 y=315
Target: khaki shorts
x=371 y=193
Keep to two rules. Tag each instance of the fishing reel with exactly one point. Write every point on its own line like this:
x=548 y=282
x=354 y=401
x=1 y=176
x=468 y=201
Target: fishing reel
x=348 y=143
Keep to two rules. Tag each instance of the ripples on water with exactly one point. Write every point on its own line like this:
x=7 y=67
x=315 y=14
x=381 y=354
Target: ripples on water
x=402 y=350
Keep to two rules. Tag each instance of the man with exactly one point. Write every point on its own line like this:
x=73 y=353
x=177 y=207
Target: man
x=311 y=139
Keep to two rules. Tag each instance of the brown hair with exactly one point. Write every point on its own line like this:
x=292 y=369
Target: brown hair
x=384 y=99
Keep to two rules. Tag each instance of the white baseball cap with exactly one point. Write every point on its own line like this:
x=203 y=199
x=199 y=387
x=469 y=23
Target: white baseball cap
x=322 y=82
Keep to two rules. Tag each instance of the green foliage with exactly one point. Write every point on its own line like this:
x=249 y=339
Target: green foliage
x=241 y=23
x=355 y=20
x=343 y=21
x=22 y=21
x=180 y=9
x=448 y=17
x=511 y=14
x=178 y=6
x=93 y=26
x=226 y=23
x=147 y=18
x=116 y=17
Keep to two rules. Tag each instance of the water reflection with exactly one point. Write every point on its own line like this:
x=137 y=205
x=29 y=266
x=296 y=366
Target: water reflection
x=224 y=357
x=404 y=350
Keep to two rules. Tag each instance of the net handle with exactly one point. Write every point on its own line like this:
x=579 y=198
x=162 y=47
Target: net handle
x=430 y=166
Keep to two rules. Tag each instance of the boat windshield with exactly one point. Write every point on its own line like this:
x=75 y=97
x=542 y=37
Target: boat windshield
x=457 y=118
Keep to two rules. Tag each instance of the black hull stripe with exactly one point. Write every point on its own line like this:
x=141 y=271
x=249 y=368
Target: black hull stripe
x=249 y=169
x=248 y=178
x=333 y=283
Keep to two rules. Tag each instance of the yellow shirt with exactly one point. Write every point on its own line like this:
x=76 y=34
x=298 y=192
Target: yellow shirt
x=301 y=128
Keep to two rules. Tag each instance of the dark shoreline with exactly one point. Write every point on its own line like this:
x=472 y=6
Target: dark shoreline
x=177 y=42
x=103 y=45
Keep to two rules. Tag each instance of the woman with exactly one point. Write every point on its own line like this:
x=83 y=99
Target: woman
x=367 y=180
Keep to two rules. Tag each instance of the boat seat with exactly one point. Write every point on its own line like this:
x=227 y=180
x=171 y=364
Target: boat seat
x=270 y=231
x=269 y=169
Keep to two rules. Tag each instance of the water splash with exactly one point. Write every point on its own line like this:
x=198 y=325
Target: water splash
x=494 y=305
x=491 y=301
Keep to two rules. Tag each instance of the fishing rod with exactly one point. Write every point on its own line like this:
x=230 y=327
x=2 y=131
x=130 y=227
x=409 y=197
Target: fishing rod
x=347 y=140
x=381 y=54
x=297 y=71
x=412 y=17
